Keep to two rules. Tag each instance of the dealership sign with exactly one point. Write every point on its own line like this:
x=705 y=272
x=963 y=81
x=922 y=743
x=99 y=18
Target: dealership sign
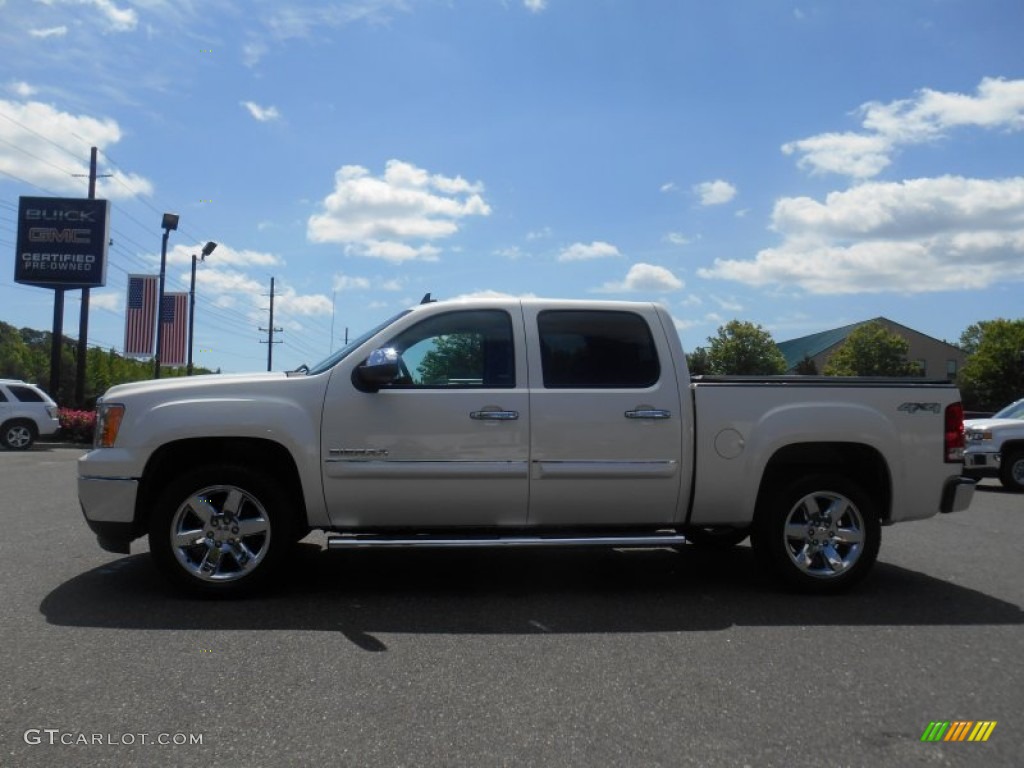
x=62 y=242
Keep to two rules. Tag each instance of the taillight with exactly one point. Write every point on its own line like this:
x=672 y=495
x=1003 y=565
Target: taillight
x=954 y=441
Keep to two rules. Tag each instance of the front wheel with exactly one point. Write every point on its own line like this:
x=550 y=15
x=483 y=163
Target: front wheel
x=1011 y=471
x=220 y=530
x=820 y=535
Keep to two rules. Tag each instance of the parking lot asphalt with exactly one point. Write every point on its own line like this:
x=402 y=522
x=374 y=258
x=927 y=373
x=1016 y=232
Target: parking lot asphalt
x=623 y=657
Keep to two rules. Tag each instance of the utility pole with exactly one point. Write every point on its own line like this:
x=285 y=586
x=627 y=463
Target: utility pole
x=83 y=317
x=271 y=330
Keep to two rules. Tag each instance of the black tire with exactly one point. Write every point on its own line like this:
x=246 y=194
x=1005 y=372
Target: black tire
x=233 y=526
x=1011 y=471
x=819 y=535
x=716 y=537
x=18 y=435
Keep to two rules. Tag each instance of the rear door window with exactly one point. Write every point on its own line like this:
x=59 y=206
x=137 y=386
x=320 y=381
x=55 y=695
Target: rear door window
x=596 y=349
x=26 y=394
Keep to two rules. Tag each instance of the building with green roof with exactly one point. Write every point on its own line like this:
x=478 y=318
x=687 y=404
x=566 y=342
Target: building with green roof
x=936 y=359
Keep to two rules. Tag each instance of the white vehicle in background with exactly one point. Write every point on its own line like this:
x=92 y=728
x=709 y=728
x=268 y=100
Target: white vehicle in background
x=995 y=446
x=26 y=414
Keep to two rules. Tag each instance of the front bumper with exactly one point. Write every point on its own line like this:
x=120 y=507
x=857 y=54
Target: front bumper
x=108 y=505
x=981 y=463
x=957 y=494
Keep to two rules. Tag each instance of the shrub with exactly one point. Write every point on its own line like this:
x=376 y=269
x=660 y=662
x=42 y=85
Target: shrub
x=77 y=426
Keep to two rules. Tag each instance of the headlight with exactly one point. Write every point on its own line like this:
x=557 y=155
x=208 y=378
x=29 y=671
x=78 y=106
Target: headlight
x=108 y=422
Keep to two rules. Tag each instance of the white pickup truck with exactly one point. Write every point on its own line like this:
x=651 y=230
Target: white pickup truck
x=505 y=423
x=995 y=447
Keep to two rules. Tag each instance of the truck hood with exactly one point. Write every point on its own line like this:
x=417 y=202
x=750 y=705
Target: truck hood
x=984 y=424
x=231 y=382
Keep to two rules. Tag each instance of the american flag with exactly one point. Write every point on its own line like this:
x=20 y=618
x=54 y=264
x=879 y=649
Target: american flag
x=174 y=335
x=140 y=317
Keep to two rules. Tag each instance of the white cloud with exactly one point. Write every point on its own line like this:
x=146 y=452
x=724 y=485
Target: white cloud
x=49 y=32
x=29 y=150
x=120 y=19
x=216 y=280
x=677 y=238
x=669 y=186
x=512 y=252
x=349 y=283
x=730 y=305
x=223 y=255
x=539 y=234
x=646 y=278
x=252 y=52
x=21 y=88
x=117 y=19
x=288 y=301
x=535 y=6
x=929 y=115
x=715 y=192
x=915 y=236
x=263 y=114
x=112 y=301
x=489 y=293
x=376 y=216
x=583 y=251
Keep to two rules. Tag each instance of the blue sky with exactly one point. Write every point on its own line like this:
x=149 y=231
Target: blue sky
x=801 y=165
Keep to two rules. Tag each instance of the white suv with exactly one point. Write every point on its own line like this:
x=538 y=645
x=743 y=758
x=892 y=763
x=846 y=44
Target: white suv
x=26 y=413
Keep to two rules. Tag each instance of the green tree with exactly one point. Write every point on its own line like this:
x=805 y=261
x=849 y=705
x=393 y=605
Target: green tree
x=745 y=349
x=807 y=367
x=698 y=362
x=455 y=356
x=993 y=375
x=872 y=350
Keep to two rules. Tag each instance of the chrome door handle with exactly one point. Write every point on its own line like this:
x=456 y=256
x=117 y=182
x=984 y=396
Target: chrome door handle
x=648 y=413
x=494 y=415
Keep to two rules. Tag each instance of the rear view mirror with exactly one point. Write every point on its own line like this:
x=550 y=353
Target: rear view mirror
x=382 y=367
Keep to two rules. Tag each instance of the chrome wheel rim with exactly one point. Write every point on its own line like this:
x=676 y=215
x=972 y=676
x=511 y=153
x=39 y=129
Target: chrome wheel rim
x=824 y=534
x=18 y=437
x=1017 y=471
x=221 y=533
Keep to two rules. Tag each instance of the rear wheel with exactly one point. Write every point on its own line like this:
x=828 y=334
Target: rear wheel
x=820 y=534
x=220 y=530
x=18 y=435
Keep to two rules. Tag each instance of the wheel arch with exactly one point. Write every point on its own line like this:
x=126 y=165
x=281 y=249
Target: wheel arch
x=174 y=458
x=1015 y=445
x=858 y=462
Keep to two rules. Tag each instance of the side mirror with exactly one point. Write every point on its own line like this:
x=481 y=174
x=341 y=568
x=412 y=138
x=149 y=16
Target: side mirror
x=382 y=367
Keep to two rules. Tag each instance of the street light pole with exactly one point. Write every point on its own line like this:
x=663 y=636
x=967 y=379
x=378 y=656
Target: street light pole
x=207 y=250
x=170 y=221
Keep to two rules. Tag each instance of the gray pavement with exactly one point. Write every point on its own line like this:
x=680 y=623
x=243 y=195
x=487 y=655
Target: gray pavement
x=643 y=658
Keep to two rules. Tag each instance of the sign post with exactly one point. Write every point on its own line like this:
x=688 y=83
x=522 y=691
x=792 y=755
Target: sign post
x=62 y=244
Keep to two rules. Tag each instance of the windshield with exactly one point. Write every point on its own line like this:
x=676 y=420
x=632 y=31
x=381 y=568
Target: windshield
x=345 y=351
x=1012 y=411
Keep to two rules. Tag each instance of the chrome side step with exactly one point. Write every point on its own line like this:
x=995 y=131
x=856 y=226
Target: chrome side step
x=360 y=541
